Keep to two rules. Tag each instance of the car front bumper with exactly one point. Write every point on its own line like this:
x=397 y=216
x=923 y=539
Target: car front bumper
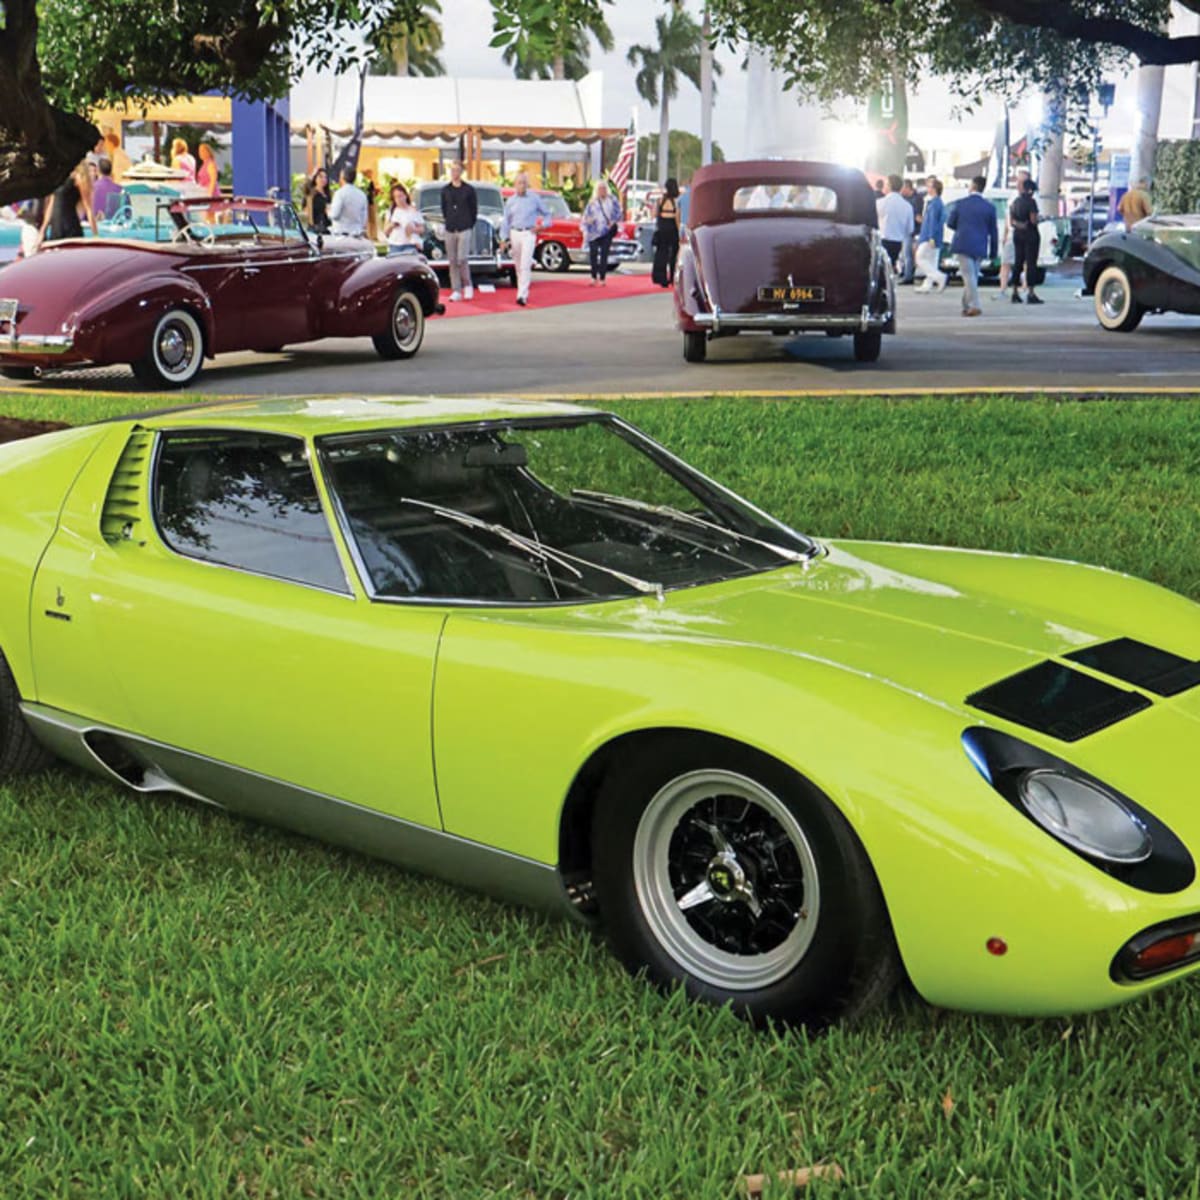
x=34 y=345
x=621 y=250
x=719 y=322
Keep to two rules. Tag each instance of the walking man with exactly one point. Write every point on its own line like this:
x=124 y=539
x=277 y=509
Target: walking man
x=907 y=265
x=1134 y=206
x=523 y=213
x=348 y=212
x=930 y=239
x=896 y=222
x=975 y=235
x=460 y=211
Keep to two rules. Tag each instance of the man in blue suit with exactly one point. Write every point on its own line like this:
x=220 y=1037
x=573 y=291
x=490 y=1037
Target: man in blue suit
x=976 y=237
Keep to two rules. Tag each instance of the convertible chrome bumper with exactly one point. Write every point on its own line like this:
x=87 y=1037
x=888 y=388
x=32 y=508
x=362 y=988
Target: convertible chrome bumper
x=720 y=322
x=34 y=344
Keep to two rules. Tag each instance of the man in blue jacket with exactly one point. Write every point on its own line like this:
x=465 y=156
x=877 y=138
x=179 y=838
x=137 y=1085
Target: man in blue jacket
x=930 y=238
x=976 y=237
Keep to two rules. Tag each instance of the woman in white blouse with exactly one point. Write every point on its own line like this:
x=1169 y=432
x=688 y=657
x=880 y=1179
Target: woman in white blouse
x=404 y=224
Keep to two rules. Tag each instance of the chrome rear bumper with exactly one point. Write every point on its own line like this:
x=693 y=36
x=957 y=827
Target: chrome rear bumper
x=721 y=322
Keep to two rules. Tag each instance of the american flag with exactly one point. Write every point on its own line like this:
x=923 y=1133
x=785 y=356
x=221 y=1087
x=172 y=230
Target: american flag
x=623 y=168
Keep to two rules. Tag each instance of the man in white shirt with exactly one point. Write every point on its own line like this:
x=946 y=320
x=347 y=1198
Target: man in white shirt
x=896 y=220
x=348 y=212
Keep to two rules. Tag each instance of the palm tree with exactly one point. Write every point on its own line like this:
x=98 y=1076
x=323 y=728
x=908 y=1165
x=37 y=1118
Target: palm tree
x=410 y=47
x=659 y=67
x=571 y=54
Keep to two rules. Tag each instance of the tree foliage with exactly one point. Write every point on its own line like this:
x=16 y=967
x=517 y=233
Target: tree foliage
x=568 y=54
x=829 y=49
x=410 y=45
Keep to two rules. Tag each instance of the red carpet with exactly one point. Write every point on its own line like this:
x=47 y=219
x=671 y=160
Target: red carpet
x=548 y=291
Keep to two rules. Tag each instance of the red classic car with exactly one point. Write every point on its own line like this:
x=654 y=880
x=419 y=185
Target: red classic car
x=783 y=247
x=219 y=275
x=561 y=243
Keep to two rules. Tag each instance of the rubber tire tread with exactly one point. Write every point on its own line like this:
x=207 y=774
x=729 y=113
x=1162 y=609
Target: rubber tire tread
x=853 y=963
x=20 y=751
x=695 y=347
x=867 y=346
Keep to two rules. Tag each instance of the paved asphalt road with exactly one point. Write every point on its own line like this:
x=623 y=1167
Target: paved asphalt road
x=619 y=347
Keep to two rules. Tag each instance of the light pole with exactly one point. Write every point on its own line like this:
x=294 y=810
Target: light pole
x=1104 y=93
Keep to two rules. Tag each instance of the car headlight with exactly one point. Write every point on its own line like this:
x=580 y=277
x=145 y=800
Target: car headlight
x=1084 y=816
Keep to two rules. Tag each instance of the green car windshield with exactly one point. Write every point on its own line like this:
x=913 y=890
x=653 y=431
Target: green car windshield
x=540 y=511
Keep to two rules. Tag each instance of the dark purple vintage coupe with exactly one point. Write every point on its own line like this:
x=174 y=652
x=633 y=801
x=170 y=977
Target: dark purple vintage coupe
x=219 y=275
x=783 y=247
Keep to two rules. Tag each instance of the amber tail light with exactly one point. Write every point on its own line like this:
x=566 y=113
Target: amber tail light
x=1160 y=948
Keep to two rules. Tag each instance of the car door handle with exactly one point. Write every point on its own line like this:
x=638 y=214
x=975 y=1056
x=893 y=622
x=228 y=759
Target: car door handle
x=251 y=270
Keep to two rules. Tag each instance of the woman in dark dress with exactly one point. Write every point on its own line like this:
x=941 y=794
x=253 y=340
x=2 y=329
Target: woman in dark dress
x=319 y=201
x=666 y=236
x=61 y=216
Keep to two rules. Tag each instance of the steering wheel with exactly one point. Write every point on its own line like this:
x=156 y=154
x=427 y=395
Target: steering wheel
x=198 y=230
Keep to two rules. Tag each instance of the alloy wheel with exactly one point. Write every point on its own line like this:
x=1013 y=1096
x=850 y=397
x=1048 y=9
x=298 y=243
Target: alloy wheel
x=726 y=879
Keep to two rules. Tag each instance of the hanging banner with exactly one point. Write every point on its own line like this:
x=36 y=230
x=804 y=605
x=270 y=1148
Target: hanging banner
x=887 y=122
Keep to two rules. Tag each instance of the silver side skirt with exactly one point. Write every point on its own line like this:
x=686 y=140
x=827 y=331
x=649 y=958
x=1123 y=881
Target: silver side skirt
x=150 y=767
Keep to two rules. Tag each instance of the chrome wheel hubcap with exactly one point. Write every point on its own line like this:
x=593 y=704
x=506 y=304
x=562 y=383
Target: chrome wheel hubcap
x=726 y=879
x=175 y=348
x=552 y=257
x=1113 y=299
x=404 y=323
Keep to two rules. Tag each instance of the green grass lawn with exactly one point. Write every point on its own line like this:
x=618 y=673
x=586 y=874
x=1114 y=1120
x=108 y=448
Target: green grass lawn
x=192 y=1006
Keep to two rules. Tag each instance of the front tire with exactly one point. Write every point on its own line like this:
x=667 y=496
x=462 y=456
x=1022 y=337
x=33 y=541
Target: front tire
x=406 y=328
x=20 y=751
x=867 y=345
x=176 y=352
x=1116 y=308
x=720 y=870
x=553 y=256
x=695 y=347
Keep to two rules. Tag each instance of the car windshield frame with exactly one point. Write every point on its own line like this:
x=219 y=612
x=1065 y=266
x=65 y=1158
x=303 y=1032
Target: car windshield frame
x=707 y=490
x=188 y=211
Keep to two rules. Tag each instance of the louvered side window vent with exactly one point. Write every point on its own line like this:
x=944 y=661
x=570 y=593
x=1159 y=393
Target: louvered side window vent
x=124 y=516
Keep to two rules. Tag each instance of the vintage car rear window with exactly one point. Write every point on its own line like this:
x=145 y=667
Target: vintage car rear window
x=806 y=199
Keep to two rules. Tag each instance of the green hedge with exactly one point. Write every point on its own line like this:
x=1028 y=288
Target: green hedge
x=1177 y=177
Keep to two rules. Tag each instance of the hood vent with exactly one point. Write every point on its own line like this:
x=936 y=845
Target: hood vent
x=1146 y=667
x=1055 y=700
x=123 y=518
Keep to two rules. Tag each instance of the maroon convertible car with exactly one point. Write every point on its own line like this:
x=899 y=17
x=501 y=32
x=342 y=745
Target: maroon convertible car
x=783 y=247
x=218 y=275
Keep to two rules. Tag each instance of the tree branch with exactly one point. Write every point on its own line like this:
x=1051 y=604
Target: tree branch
x=1150 y=46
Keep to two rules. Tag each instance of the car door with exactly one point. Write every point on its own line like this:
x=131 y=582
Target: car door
x=195 y=595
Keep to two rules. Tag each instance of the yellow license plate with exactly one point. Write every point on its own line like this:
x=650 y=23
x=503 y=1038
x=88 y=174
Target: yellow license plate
x=791 y=295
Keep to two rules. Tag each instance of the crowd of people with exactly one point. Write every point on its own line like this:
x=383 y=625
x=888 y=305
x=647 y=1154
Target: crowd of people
x=92 y=192
x=350 y=211
x=913 y=225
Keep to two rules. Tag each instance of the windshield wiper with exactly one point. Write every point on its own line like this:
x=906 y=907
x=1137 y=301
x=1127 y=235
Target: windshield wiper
x=539 y=551
x=677 y=514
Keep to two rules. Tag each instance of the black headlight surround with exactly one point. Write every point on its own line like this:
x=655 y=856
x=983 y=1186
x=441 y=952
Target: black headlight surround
x=1004 y=760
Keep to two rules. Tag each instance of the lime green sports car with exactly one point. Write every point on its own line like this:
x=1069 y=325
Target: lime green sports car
x=523 y=647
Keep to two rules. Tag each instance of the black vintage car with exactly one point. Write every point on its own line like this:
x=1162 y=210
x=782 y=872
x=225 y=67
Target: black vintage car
x=486 y=258
x=1155 y=268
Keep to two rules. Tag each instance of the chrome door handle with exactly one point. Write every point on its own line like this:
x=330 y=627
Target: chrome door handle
x=251 y=270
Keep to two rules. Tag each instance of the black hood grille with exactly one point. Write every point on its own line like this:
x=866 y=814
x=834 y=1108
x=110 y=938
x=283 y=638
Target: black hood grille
x=1146 y=667
x=1055 y=700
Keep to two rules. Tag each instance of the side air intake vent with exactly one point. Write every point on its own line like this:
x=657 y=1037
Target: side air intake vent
x=123 y=517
